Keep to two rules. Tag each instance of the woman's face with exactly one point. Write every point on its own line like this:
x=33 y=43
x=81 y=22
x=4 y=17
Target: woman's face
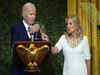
x=70 y=26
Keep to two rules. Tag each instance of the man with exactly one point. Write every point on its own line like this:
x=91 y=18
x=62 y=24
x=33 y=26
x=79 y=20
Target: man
x=25 y=31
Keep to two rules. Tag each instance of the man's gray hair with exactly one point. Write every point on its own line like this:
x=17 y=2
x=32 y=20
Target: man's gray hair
x=27 y=6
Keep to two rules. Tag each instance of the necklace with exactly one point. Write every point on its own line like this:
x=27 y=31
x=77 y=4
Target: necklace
x=73 y=42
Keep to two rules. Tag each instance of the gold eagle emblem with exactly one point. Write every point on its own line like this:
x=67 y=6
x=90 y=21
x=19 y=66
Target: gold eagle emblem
x=32 y=55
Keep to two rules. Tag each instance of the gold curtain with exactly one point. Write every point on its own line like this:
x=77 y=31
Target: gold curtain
x=89 y=13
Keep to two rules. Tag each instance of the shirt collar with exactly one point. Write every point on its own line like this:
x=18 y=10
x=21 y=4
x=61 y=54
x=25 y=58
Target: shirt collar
x=25 y=24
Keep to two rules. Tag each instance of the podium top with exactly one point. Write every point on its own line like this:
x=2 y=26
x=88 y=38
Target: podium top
x=32 y=42
x=37 y=43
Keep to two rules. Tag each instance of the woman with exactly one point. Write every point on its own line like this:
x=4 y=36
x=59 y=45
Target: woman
x=75 y=49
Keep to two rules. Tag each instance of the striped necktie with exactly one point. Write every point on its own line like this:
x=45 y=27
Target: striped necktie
x=28 y=28
x=32 y=36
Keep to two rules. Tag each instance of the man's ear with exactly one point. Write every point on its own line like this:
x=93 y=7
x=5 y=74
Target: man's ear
x=23 y=14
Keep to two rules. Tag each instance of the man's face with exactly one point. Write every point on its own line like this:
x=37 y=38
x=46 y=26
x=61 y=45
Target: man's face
x=29 y=15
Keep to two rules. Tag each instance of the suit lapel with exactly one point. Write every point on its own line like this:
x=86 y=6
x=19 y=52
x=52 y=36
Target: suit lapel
x=25 y=32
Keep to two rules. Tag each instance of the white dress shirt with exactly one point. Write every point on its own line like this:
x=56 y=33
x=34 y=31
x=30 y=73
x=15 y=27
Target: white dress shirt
x=26 y=27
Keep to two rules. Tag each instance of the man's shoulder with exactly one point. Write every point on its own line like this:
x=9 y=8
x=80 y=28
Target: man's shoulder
x=17 y=24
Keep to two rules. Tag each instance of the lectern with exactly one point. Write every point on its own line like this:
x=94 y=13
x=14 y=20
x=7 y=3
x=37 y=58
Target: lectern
x=32 y=54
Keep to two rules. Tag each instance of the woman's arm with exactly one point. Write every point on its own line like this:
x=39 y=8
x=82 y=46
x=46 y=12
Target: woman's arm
x=54 y=50
x=58 y=46
x=88 y=63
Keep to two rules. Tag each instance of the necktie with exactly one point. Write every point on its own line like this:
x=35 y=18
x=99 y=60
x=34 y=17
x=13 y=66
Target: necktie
x=28 y=28
x=32 y=35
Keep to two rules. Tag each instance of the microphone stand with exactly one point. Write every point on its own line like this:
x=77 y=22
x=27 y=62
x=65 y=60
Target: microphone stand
x=32 y=37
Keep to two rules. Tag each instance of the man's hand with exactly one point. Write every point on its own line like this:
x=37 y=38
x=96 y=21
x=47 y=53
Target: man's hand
x=34 y=28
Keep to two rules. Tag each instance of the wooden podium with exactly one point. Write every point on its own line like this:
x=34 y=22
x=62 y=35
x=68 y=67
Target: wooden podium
x=31 y=54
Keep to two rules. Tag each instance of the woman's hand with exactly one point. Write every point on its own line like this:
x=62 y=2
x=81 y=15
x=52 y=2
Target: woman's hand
x=88 y=63
x=54 y=50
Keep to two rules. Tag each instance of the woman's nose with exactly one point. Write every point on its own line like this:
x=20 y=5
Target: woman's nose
x=67 y=25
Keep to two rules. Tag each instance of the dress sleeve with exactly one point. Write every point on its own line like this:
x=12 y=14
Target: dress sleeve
x=59 y=44
x=86 y=50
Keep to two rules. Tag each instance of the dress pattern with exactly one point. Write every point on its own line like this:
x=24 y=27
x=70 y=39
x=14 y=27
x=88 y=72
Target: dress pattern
x=74 y=58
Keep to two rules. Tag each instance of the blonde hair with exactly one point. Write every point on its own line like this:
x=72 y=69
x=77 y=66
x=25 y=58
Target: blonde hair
x=76 y=21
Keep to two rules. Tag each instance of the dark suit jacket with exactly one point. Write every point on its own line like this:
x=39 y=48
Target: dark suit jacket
x=19 y=33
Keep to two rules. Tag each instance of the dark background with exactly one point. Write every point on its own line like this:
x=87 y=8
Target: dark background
x=50 y=14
